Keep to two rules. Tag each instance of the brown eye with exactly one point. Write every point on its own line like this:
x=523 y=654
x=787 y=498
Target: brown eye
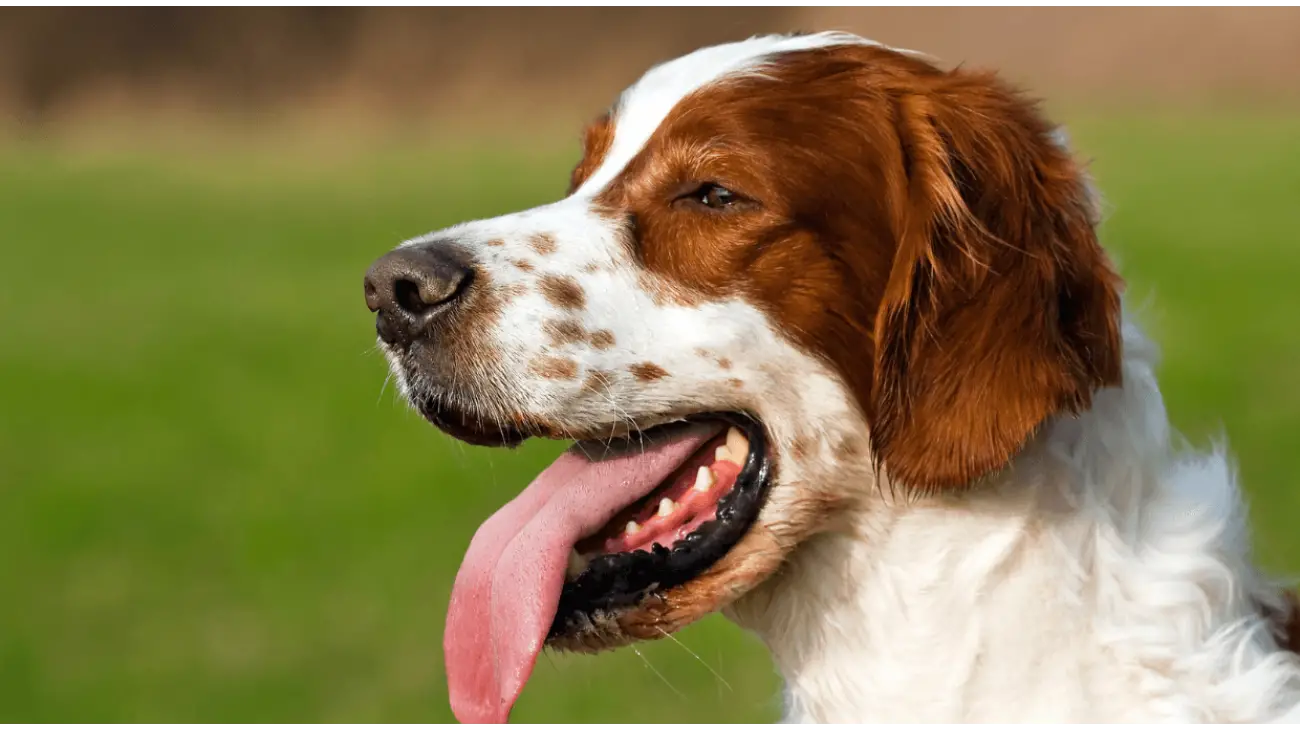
x=714 y=196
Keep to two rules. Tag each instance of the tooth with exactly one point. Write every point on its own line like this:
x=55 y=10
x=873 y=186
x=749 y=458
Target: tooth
x=632 y=528
x=703 y=479
x=577 y=564
x=737 y=446
x=722 y=454
x=666 y=507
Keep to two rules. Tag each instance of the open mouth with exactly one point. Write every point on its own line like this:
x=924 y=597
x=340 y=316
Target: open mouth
x=609 y=524
x=674 y=533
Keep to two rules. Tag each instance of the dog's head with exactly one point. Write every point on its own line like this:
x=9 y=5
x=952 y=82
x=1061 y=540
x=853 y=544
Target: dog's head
x=789 y=270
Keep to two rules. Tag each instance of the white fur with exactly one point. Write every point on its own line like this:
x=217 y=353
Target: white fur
x=1101 y=577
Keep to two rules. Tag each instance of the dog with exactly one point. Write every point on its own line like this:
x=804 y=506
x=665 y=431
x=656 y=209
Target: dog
x=841 y=357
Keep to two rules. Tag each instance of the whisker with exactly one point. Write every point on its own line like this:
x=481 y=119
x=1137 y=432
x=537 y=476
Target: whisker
x=703 y=663
x=656 y=671
x=384 y=387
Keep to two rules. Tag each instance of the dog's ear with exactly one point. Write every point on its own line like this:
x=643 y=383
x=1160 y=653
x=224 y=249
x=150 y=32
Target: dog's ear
x=1001 y=308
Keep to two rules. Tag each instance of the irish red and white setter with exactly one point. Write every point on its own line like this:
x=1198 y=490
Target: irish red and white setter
x=841 y=357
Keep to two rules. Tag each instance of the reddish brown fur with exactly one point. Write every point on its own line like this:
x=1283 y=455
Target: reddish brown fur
x=563 y=291
x=522 y=265
x=555 y=368
x=647 y=371
x=564 y=332
x=570 y=331
x=543 y=244
x=596 y=139
x=916 y=228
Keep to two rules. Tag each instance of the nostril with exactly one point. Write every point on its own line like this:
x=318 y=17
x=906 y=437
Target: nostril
x=372 y=297
x=412 y=284
x=408 y=297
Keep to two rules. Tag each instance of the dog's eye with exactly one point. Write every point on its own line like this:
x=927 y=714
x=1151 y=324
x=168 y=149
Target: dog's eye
x=714 y=196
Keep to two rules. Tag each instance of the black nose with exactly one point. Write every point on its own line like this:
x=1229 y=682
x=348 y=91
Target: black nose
x=412 y=286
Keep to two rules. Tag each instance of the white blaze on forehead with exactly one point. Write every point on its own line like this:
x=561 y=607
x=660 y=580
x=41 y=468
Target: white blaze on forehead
x=644 y=105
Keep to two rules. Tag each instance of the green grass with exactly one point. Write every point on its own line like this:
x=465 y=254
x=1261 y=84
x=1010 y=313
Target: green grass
x=210 y=512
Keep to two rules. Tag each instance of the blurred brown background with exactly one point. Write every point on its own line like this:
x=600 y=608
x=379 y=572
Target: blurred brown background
x=488 y=66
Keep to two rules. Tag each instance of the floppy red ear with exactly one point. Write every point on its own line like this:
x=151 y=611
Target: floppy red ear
x=1001 y=308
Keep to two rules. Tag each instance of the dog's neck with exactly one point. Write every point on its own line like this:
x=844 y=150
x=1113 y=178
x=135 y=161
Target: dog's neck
x=1099 y=577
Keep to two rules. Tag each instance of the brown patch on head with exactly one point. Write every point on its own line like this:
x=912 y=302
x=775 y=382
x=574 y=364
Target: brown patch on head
x=496 y=242
x=648 y=371
x=542 y=243
x=562 y=291
x=590 y=268
x=602 y=339
x=555 y=368
x=735 y=382
x=724 y=363
x=918 y=229
x=523 y=265
x=564 y=331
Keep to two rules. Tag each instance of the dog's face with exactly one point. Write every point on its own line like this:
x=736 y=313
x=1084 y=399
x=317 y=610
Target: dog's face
x=788 y=269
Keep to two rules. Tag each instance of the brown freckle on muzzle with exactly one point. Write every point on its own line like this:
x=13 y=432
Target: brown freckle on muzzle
x=735 y=382
x=555 y=368
x=522 y=265
x=648 y=371
x=563 y=292
x=564 y=332
x=542 y=243
x=496 y=242
x=602 y=339
x=517 y=289
x=590 y=268
x=596 y=382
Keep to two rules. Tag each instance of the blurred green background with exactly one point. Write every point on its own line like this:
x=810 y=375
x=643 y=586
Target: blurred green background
x=210 y=507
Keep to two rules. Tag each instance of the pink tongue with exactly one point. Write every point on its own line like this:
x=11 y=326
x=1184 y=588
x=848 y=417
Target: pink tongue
x=508 y=586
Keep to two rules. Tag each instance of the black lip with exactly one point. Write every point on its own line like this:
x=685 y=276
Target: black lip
x=460 y=425
x=621 y=580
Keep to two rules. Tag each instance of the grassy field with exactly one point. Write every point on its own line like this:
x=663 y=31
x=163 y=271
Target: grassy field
x=210 y=511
